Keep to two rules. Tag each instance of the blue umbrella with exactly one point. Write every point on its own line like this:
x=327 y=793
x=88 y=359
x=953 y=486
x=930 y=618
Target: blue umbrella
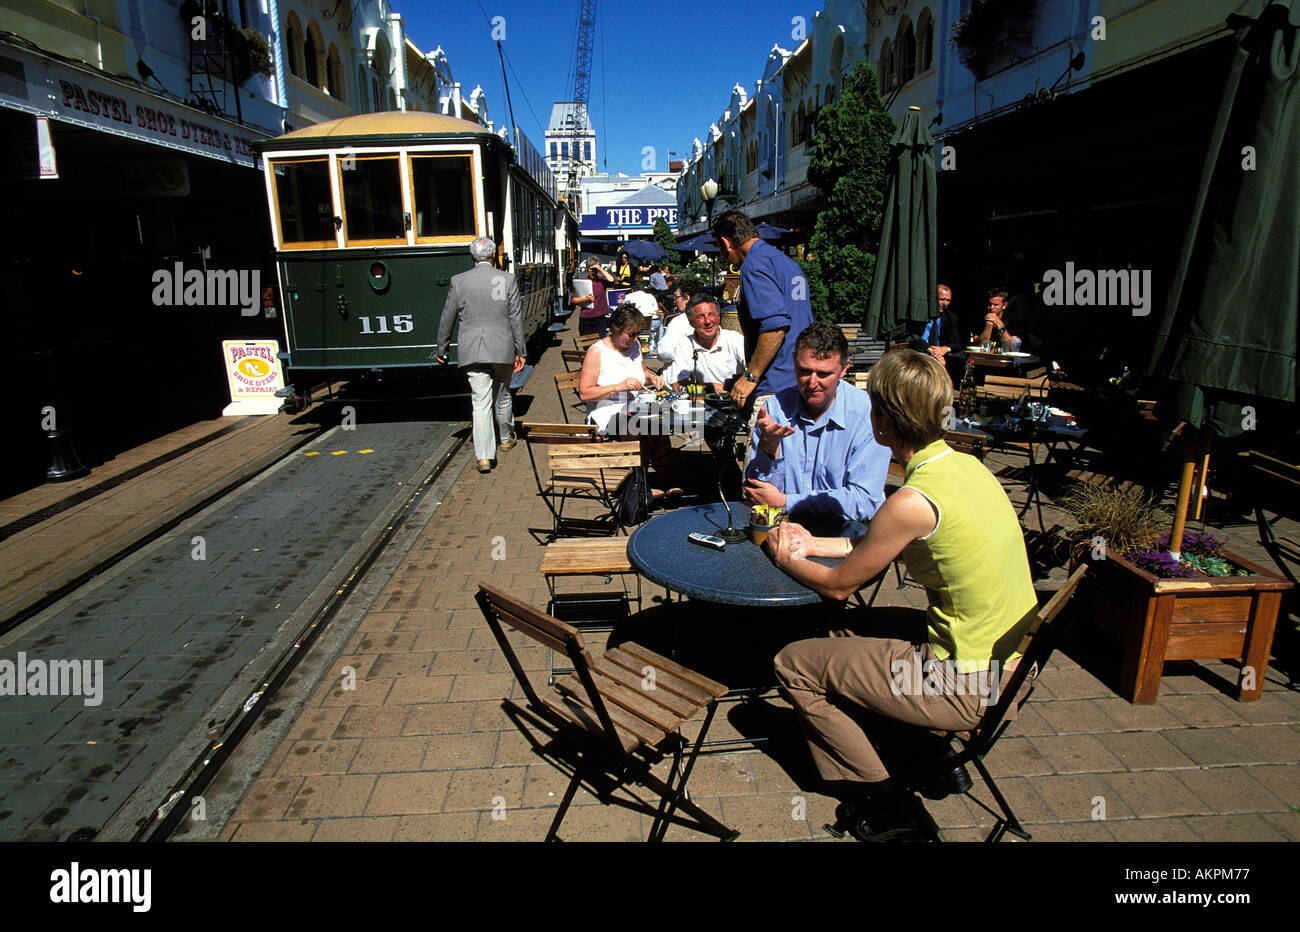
x=704 y=242
x=700 y=242
x=644 y=250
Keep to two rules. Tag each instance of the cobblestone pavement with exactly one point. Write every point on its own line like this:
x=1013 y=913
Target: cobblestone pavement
x=422 y=750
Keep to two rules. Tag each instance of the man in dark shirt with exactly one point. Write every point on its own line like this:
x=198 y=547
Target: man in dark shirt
x=774 y=306
x=941 y=334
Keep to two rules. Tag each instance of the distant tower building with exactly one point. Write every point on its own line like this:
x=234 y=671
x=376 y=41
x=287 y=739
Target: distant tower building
x=570 y=139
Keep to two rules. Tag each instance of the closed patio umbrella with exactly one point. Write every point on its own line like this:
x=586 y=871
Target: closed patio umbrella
x=1229 y=328
x=906 y=278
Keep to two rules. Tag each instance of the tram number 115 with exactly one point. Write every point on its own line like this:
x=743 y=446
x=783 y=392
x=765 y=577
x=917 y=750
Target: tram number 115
x=401 y=324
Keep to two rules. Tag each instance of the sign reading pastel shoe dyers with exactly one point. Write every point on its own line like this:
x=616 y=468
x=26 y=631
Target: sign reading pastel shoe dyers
x=45 y=87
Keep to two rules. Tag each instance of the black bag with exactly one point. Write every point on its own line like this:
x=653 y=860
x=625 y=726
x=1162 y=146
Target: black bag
x=634 y=499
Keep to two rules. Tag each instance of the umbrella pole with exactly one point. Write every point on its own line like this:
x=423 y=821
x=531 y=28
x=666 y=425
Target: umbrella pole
x=1184 y=493
x=1202 y=471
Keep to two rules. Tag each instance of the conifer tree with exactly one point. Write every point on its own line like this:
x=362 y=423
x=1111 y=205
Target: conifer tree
x=852 y=148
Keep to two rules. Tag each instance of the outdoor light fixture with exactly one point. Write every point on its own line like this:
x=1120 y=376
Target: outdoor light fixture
x=709 y=190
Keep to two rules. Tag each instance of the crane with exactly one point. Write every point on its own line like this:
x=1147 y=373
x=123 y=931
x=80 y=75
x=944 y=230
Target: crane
x=578 y=122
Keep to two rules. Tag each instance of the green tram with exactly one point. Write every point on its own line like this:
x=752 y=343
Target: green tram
x=371 y=217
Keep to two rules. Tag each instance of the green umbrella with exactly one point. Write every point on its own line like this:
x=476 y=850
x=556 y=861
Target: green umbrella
x=905 y=280
x=1229 y=328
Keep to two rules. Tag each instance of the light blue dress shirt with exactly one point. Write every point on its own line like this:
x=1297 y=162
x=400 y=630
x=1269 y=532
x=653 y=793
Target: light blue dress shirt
x=829 y=468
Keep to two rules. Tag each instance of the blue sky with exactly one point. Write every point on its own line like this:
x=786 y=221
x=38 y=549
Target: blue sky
x=666 y=71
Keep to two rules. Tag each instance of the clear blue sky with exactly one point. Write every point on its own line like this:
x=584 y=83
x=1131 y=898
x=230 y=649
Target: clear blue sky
x=660 y=73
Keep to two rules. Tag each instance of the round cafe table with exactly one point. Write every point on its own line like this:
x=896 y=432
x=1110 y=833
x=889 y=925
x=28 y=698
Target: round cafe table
x=991 y=360
x=740 y=574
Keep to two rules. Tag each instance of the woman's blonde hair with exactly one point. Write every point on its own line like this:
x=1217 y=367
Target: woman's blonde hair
x=911 y=391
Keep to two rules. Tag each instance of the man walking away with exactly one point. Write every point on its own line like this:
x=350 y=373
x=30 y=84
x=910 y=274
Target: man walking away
x=490 y=344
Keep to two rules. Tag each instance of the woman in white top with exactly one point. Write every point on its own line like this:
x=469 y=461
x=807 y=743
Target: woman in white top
x=613 y=369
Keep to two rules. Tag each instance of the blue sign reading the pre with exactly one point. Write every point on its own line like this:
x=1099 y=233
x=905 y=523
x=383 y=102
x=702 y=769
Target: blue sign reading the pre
x=628 y=219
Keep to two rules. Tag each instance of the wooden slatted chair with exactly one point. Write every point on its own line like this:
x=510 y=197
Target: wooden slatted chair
x=1014 y=388
x=619 y=714
x=572 y=359
x=578 y=467
x=538 y=434
x=566 y=389
x=1035 y=649
x=585 y=340
x=588 y=611
x=865 y=353
x=1275 y=485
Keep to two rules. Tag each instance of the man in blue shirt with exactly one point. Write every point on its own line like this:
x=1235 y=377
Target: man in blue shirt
x=774 y=306
x=815 y=453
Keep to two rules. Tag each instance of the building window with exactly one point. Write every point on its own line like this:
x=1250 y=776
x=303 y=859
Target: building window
x=884 y=67
x=312 y=72
x=905 y=53
x=292 y=41
x=924 y=42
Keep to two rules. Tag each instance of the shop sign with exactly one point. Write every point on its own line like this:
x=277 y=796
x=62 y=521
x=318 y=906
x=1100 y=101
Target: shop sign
x=252 y=368
x=44 y=87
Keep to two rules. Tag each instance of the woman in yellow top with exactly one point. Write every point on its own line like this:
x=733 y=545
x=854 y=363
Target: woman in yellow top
x=955 y=528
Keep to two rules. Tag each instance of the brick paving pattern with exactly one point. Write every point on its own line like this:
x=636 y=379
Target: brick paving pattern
x=422 y=750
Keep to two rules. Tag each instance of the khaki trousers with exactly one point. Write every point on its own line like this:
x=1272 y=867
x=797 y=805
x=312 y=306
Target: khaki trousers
x=827 y=679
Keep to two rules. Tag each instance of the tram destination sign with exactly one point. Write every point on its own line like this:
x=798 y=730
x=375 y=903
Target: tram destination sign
x=44 y=87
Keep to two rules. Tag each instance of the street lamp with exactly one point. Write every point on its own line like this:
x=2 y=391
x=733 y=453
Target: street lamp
x=709 y=191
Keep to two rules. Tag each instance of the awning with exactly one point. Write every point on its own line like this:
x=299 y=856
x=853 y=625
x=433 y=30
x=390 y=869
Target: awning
x=39 y=85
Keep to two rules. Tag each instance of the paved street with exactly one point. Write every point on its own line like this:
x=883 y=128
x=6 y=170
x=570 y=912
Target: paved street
x=177 y=627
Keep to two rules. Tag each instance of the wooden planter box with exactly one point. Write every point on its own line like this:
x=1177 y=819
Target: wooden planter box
x=1207 y=618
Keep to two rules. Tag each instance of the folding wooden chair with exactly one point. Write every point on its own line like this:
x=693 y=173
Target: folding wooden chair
x=572 y=359
x=585 y=340
x=588 y=611
x=619 y=714
x=578 y=466
x=566 y=389
x=1035 y=649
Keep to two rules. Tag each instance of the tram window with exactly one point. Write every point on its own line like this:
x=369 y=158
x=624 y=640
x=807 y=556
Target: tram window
x=372 y=200
x=304 y=203
x=444 y=196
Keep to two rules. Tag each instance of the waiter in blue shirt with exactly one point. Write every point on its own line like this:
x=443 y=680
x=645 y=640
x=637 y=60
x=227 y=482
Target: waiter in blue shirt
x=815 y=453
x=774 y=306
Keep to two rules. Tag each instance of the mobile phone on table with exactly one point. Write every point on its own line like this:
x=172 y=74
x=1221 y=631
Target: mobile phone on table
x=707 y=540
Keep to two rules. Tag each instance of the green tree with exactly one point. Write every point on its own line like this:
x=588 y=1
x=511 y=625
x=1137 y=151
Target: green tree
x=662 y=234
x=852 y=148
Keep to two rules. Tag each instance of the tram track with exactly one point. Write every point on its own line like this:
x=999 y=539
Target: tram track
x=208 y=764
x=154 y=530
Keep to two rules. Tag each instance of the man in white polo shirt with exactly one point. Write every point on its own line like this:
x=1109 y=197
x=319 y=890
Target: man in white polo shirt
x=708 y=353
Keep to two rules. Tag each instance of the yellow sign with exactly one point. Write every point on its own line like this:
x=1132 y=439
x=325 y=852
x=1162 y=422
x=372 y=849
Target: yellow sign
x=252 y=368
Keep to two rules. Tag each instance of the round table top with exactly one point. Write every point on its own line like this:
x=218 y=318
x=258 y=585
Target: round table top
x=1055 y=425
x=1010 y=359
x=740 y=574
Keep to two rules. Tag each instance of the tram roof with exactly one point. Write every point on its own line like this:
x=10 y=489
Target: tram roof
x=382 y=125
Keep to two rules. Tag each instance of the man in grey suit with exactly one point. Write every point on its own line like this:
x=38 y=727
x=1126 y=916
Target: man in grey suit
x=486 y=301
